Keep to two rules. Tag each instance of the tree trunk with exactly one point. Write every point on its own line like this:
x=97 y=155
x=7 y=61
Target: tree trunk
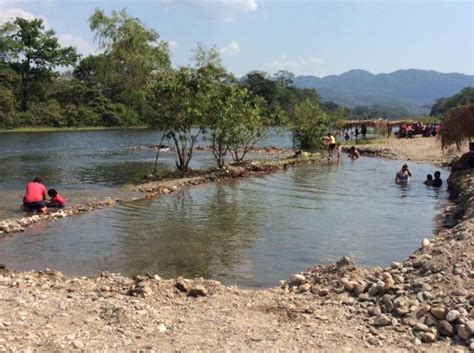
x=158 y=152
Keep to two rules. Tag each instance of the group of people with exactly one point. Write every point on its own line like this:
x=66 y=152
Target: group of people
x=403 y=176
x=333 y=147
x=410 y=130
x=36 y=197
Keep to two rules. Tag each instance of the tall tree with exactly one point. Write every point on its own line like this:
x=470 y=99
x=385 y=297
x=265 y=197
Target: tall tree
x=34 y=53
x=178 y=100
x=308 y=123
x=133 y=54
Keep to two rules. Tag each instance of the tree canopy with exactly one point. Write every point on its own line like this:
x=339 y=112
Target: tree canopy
x=33 y=53
x=443 y=105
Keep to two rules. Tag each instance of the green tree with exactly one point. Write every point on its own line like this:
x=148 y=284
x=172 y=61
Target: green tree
x=33 y=53
x=443 y=105
x=133 y=54
x=7 y=107
x=250 y=124
x=177 y=98
x=308 y=123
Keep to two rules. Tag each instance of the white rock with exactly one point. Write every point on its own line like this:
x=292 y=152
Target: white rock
x=425 y=243
x=452 y=315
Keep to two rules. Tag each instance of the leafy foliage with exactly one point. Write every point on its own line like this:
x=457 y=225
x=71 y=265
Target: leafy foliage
x=33 y=53
x=443 y=105
x=309 y=123
x=132 y=54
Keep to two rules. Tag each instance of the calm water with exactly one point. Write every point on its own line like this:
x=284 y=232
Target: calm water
x=85 y=165
x=250 y=232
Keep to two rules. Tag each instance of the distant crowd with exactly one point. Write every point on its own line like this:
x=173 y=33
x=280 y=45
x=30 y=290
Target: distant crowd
x=425 y=130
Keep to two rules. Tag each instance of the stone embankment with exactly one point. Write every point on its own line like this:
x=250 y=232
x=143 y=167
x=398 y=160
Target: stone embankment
x=163 y=187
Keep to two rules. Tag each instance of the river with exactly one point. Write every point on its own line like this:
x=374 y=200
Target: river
x=251 y=232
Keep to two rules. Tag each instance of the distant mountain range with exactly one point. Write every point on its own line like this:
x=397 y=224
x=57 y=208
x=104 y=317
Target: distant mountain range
x=414 y=90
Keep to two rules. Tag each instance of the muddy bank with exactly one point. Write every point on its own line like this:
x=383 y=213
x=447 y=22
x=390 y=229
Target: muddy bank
x=154 y=189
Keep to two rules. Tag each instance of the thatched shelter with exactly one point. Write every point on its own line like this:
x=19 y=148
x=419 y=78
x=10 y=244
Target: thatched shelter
x=381 y=126
x=458 y=126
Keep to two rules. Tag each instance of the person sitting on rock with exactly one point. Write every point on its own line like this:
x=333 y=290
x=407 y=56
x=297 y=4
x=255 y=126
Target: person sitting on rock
x=429 y=180
x=403 y=176
x=437 y=182
x=57 y=200
x=34 y=199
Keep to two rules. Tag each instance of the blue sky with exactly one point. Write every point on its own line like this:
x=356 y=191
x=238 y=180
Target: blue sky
x=305 y=37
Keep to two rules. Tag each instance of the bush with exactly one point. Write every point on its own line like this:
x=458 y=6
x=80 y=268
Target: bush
x=48 y=113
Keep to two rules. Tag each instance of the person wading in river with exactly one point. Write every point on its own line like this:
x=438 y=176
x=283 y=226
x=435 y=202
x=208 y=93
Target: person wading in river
x=403 y=176
x=34 y=199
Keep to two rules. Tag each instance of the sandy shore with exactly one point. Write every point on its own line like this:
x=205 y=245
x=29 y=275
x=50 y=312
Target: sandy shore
x=418 y=149
x=422 y=303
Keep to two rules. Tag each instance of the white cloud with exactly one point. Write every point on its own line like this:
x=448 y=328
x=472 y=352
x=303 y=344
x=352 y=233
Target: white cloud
x=221 y=9
x=296 y=65
x=172 y=44
x=10 y=14
x=81 y=45
x=232 y=48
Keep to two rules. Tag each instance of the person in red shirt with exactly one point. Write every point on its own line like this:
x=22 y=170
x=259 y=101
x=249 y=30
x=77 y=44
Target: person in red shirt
x=34 y=199
x=56 y=200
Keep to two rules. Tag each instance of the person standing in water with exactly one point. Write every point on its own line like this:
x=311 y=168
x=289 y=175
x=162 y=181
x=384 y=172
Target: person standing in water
x=403 y=176
x=339 y=151
x=437 y=182
x=34 y=199
x=332 y=144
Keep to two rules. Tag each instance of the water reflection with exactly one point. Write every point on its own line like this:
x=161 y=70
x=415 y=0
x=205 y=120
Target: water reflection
x=211 y=238
x=251 y=232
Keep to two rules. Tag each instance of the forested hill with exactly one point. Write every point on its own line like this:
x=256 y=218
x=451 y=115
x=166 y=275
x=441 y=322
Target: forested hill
x=415 y=90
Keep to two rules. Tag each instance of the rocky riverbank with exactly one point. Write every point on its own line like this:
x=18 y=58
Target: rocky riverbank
x=422 y=303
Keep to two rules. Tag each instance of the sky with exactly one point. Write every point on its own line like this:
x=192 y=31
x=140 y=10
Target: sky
x=306 y=37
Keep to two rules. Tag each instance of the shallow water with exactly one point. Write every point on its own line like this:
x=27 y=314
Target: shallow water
x=85 y=165
x=252 y=232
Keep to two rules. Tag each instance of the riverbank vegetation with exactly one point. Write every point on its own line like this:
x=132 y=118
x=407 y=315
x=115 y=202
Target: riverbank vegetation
x=131 y=82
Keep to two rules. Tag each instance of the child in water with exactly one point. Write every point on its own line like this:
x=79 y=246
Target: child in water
x=57 y=200
x=353 y=153
x=429 y=180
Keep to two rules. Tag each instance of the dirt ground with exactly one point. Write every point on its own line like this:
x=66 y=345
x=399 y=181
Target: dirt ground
x=423 y=303
x=418 y=149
